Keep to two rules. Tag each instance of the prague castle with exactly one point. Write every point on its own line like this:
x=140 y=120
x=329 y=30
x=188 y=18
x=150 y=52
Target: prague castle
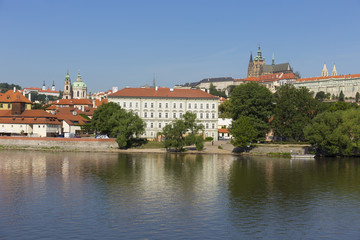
x=257 y=66
x=77 y=90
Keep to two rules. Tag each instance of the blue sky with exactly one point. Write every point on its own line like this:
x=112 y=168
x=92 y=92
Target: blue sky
x=122 y=43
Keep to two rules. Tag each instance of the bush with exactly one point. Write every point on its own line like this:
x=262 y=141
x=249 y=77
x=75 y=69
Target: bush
x=208 y=139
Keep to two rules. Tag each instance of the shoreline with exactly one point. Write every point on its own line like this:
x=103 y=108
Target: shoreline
x=110 y=146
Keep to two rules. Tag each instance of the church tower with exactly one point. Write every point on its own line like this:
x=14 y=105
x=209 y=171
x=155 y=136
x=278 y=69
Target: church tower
x=251 y=66
x=67 y=87
x=79 y=88
x=258 y=62
x=324 y=72
x=334 y=72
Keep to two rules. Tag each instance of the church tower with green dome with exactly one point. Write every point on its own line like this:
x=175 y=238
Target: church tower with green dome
x=79 y=88
x=67 y=87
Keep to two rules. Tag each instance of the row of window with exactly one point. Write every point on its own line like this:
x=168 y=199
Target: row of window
x=166 y=105
x=152 y=134
x=174 y=115
x=161 y=125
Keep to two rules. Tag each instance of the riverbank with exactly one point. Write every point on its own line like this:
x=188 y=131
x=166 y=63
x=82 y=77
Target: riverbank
x=110 y=145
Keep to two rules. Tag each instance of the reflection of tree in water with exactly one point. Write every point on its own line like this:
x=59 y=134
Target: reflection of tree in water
x=276 y=192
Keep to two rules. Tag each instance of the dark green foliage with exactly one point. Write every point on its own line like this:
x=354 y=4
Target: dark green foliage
x=215 y=92
x=183 y=132
x=225 y=109
x=336 y=133
x=320 y=96
x=252 y=100
x=294 y=109
x=341 y=96
x=114 y=121
x=243 y=131
x=341 y=105
x=5 y=87
x=208 y=139
x=43 y=99
x=357 y=97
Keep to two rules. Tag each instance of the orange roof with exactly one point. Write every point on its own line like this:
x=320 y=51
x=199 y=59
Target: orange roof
x=67 y=115
x=329 y=77
x=223 y=130
x=162 y=93
x=28 y=116
x=99 y=103
x=63 y=102
x=52 y=107
x=11 y=96
x=81 y=101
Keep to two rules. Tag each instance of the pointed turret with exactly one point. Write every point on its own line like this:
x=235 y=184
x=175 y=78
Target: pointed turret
x=53 y=86
x=44 y=87
x=324 y=72
x=251 y=58
x=78 y=78
x=334 y=72
x=273 y=59
x=259 y=54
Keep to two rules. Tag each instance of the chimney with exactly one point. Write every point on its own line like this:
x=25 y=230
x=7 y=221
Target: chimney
x=114 y=89
x=14 y=89
x=29 y=96
x=156 y=88
x=171 y=89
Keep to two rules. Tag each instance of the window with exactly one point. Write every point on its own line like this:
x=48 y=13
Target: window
x=213 y=115
x=39 y=126
x=201 y=106
x=213 y=125
x=201 y=115
x=9 y=105
x=67 y=87
x=145 y=105
x=145 y=114
x=174 y=105
x=212 y=134
x=1 y=105
x=77 y=93
x=119 y=103
x=189 y=105
x=195 y=105
x=124 y=104
x=180 y=105
x=159 y=114
x=180 y=115
x=159 y=125
x=166 y=105
x=152 y=133
x=213 y=106
x=130 y=104
x=151 y=115
x=207 y=125
x=166 y=115
x=207 y=115
x=174 y=115
x=159 y=104
x=152 y=105
x=136 y=104
x=12 y=126
x=207 y=106
x=151 y=125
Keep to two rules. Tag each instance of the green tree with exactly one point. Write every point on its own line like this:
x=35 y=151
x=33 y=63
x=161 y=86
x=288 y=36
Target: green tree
x=341 y=96
x=294 y=109
x=357 y=97
x=252 y=100
x=114 y=121
x=320 y=96
x=4 y=87
x=328 y=135
x=184 y=132
x=215 y=92
x=225 y=109
x=244 y=131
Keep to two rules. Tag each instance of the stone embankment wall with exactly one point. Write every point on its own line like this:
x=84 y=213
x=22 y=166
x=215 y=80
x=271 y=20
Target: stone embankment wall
x=263 y=149
x=69 y=144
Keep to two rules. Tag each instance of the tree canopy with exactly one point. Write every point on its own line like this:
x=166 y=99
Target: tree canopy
x=215 y=92
x=183 y=132
x=294 y=109
x=4 y=87
x=114 y=121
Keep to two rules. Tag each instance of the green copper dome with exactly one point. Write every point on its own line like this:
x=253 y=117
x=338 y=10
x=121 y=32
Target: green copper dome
x=79 y=84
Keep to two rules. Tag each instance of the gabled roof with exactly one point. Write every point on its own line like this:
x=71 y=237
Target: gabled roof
x=11 y=96
x=72 y=102
x=161 y=92
x=71 y=116
x=37 y=116
x=98 y=103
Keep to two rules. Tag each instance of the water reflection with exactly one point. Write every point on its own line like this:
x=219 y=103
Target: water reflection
x=175 y=196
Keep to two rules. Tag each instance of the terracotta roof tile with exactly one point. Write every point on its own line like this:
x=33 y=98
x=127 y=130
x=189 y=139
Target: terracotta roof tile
x=161 y=93
x=11 y=96
x=329 y=77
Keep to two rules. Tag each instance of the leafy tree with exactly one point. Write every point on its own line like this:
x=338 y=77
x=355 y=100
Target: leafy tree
x=215 y=92
x=116 y=122
x=294 y=109
x=341 y=105
x=357 y=97
x=330 y=136
x=184 y=132
x=320 y=96
x=225 y=109
x=244 y=131
x=341 y=96
x=4 y=87
x=252 y=100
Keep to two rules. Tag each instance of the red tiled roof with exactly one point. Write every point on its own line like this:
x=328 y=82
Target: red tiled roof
x=99 y=103
x=162 y=93
x=11 y=96
x=63 y=102
x=328 y=77
x=223 y=130
x=28 y=116
x=67 y=115
x=72 y=102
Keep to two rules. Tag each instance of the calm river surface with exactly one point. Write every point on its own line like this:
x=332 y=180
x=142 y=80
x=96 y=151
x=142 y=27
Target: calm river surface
x=159 y=196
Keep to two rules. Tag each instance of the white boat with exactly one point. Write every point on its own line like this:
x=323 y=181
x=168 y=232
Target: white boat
x=303 y=156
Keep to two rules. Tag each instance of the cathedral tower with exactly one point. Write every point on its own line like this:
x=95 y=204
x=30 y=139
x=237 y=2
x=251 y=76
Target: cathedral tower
x=255 y=66
x=67 y=87
x=324 y=72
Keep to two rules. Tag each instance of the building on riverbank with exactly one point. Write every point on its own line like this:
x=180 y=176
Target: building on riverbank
x=159 y=106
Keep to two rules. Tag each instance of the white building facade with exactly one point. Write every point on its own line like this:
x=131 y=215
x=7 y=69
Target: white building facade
x=159 y=106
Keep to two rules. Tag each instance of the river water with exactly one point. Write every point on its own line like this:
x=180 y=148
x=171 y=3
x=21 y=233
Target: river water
x=161 y=196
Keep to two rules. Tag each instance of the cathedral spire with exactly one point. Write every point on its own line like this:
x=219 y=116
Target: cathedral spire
x=334 y=72
x=251 y=58
x=259 y=55
x=324 y=72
